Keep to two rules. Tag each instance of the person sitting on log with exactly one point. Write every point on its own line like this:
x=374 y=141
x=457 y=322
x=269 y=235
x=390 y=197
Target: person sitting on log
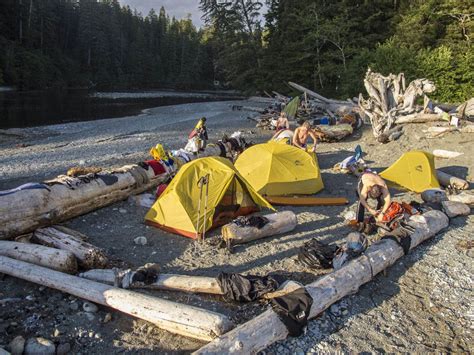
x=282 y=122
x=372 y=186
x=301 y=135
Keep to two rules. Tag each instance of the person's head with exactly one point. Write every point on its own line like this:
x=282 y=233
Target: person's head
x=375 y=191
x=306 y=125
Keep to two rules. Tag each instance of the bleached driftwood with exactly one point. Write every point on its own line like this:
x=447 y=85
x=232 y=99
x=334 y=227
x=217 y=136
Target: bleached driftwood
x=174 y=317
x=278 y=223
x=193 y=284
x=450 y=180
x=88 y=255
x=24 y=211
x=419 y=117
x=445 y=154
x=388 y=99
x=267 y=328
x=51 y=258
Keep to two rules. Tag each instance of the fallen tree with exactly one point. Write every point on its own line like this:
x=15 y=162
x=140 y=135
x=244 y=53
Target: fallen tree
x=171 y=316
x=60 y=260
x=25 y=210
x=267 y=328
x=88 y=255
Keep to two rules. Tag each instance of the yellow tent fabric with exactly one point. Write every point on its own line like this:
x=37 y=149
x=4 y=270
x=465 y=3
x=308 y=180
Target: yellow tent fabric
x=176 y=210
x=414 y=171
x=278 y=169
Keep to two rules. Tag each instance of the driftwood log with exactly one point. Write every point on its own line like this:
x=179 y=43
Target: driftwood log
x=26 y=210
x=419 y=117
x=60 y=260
x=171 y=316
x=323 y=102
x=445 y=154
x=450 y=180
x=267 y=328
x=193 y=284
x=388 y=99
x=88 y=255
x=278 y=223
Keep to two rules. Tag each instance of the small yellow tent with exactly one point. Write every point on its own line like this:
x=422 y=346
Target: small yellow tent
x=414 y=171
x=278 y=169
x=183 y=202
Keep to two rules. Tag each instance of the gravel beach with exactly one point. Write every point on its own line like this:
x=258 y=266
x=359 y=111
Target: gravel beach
x=421 y=304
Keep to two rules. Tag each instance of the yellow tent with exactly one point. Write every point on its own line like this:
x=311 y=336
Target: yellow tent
x=414 y=171
x=183 y=202
x=278 y=169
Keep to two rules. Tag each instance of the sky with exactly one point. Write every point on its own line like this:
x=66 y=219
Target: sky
x=176 y=8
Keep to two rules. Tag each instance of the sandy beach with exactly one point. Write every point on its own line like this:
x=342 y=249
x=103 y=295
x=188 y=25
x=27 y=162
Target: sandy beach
x=421 y=304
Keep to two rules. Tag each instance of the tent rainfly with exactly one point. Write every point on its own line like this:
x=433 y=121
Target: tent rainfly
x=206 y=193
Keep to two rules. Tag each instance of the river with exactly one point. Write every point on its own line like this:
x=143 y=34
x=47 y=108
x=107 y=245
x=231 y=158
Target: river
x=37 y=108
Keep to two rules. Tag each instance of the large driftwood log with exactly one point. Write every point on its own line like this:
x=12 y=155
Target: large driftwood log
x=319 y=97
x=174 y=317
x=450 y=180
x=55 y=259
x=193 y=284
x=88 y=255
x=26 y=210
x=267 y=328
x=278 y=223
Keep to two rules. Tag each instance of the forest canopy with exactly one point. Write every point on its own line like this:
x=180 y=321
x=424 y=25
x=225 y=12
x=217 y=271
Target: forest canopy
x=249 y=45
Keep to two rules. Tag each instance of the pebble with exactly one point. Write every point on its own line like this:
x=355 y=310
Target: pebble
x=74 y=306
x=345 y=312
x=63 y=349
x=35 y=346
x=123 y=210
x=17 y=345
x=90 y=307
x=299 y=351
x=56 y=333
x=90 y=316
x=140 y=241
x=107 y=318
x=30 y=298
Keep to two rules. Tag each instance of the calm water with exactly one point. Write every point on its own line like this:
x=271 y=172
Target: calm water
x=27 y=109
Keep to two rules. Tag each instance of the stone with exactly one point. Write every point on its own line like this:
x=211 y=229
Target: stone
x=90 y=316
x=74 y=306
x=17 y=345
x=3 y=351
x=56 y=333
x=35 y=346
x=63 y=349
x=299 y=351
x=30 y=298
x=107 y=318
x=140 y=241
x=90 y=307
x=122 y=210
x=455 y=208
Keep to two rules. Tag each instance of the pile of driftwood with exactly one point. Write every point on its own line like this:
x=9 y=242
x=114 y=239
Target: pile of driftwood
x=391 y=103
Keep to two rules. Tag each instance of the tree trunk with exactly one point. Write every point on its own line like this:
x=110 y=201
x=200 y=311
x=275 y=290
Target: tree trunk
x=88 y=255
x=279 y=223
x=60 y=260
x=24 y=211
x=171 y=316
x=264 y=330
x=193 y=284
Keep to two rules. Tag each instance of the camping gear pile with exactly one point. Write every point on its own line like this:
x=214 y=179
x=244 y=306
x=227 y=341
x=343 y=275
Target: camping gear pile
x=333 y=119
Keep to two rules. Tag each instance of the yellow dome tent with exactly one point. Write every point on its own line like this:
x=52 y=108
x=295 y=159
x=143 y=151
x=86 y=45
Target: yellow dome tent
x=277 y=169
x=205 y=193
x=414 y=171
